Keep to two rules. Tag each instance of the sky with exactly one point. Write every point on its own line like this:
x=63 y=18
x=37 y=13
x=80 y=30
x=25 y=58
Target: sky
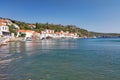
x=93 y=15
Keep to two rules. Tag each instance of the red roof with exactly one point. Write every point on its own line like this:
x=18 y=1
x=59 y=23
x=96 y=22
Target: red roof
x=25 y=30
x=2 y=24
x=2 y=21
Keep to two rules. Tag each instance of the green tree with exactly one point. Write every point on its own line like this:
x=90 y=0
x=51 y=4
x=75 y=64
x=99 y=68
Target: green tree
x=12 y=29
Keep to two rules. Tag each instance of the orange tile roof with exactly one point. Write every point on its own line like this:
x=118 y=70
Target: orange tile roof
x=25 y=30
x=1 y=20
x=2 y=24
x=21 y=30
x=36 y=33
x=29 y=31
x=57 y=32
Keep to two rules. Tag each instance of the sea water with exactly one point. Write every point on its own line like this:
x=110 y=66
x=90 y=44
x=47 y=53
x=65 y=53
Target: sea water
x=74 y=59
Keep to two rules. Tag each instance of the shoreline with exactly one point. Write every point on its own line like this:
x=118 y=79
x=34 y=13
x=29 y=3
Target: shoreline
x=5 y=40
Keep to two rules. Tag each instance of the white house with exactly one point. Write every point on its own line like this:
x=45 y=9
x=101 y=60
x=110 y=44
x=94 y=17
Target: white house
x=47 y=33
x=4 y=30
x=28 y=33
x=50 y=33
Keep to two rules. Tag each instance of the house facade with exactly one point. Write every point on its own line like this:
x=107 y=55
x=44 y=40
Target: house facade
x=47 y=33
x=4 y=30
x=28 y=33
x=4 y=27
x=50 y=33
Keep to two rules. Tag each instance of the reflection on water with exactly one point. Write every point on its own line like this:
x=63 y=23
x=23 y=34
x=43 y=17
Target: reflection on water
x=84 y=59
x=16 y=50
x=29 y=46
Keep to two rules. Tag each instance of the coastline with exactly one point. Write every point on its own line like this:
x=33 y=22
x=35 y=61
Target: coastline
x=5 y=40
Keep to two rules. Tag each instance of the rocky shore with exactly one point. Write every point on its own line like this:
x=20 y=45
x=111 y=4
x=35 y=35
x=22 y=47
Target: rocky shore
x=5 y=40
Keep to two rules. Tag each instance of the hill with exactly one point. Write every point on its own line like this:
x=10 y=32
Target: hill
x=38 y=27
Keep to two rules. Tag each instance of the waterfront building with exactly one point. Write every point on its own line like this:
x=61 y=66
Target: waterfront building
x=47 y=34
x=4 y=30
x=4 y=27
x=27 y=33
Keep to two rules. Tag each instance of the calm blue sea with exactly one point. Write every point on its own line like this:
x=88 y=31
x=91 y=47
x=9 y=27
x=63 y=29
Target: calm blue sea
x=82 y=59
